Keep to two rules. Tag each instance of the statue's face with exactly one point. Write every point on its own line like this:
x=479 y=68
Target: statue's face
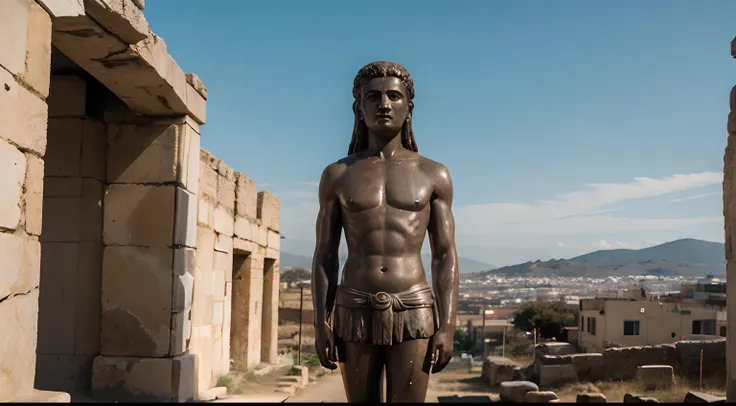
x=384 y=105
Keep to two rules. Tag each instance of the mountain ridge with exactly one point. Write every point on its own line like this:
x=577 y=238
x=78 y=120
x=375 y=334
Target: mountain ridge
x=682 y=257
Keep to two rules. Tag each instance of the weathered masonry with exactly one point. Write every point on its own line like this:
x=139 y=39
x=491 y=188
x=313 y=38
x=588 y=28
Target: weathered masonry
x=135 y=265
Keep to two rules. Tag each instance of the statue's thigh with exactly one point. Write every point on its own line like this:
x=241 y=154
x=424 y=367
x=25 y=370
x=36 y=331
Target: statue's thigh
x=407 y=371
x=361 y=366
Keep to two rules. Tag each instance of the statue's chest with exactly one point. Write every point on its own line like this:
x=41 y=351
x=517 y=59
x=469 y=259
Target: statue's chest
x=370 y=185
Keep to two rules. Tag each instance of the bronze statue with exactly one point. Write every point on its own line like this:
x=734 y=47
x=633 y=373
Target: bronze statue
x=386 y=197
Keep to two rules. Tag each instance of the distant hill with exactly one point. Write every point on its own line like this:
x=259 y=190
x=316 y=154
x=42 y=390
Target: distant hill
x=685 y=257
x=466 y=265
x=684 y=250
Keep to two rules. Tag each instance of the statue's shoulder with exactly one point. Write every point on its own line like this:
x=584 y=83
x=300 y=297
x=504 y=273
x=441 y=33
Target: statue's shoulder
x=334 y=171
x=431 y=167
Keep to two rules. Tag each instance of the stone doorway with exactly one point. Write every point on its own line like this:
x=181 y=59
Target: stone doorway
x=241 y=311
x=74 y=174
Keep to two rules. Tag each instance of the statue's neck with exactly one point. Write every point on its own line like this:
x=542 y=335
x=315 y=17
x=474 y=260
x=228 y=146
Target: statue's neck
x=383 y=147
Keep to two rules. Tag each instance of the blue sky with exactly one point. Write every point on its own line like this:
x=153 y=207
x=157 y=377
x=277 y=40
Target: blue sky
x=528 y=104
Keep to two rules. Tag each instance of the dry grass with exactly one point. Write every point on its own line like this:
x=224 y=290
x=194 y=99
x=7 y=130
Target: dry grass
x=615 y=390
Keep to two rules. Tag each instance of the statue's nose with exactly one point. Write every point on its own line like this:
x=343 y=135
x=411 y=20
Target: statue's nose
x=384 y=102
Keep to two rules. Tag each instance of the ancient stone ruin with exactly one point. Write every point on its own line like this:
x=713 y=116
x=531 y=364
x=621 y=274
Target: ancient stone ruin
x=136 y=265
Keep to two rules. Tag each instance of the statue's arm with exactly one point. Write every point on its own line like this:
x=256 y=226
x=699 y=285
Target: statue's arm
x=325 y=262
x=445 y=278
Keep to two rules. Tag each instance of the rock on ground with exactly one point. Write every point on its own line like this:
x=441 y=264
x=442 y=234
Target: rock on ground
x=629 y=398
x=540 y=397
x=591 y=398
x=514 y=391
x=700 y=397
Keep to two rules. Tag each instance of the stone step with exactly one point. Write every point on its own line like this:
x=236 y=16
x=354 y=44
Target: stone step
x=287 y=389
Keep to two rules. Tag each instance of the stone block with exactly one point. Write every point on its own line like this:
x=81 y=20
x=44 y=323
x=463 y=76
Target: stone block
x=269 y=210
x=515 y=391
x=88 y=299
x=184 y=269
x=29 y=122
x=144 y=153
x=139 y=215
x=688 y=354
x=591 y=398
x=188 y=171
x=66 y=372
x=94 y=150
x=13 y=167
x=621 y=363
x=144 y=379
x=700 y=397
x=62 y=187
x=272 y=253
x=57 y=302
x=657 y=375
x=91 y=210
x=206 y=213
x=21 y=258
x=43 y=396
x=196 y=104
x=62 y=219
x=243 y=228
x=540 y=397
x=556 y=374
x=67 y=8
x=217 y=313
x=260 y=234
x=224 y=243
x=67 y=97
x=196 y=83
x=498 y=369
x=185 y=224
x=205 y=249
x=224 y=221
x=244 y=246
x=18 y=316
x=219 y=285
x=38 y=49
x=121 y=17
x=273 y=240
x=224 y=263
x=226 y=189
x=208 y=179
x=136 y=325
x=33 y=196
x=14 y=17
x=181 y=330
x=64 y=155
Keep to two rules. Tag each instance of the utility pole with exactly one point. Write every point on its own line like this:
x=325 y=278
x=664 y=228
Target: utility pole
x=301 y=310
x=503 y=346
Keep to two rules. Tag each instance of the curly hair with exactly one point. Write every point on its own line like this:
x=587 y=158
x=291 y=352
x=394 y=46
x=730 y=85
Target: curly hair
x=369 y=72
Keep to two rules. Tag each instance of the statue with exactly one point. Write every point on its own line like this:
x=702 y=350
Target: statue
x=386 y=197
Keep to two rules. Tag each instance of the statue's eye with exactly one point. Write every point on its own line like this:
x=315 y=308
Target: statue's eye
x=394 y=96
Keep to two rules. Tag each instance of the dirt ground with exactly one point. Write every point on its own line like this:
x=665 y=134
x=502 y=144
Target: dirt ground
x=615 y=391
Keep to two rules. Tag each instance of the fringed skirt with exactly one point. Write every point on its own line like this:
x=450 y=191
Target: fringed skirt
x=385 y=318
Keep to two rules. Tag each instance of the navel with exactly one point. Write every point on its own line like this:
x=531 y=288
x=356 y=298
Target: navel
x=384 y=269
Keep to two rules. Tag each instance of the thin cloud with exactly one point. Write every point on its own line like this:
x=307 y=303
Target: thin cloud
x=564 y=218
x=313 y=184
x=700 y=196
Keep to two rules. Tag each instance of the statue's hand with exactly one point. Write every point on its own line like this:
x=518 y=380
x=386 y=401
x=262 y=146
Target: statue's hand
x=324 y=344
x=442 y=346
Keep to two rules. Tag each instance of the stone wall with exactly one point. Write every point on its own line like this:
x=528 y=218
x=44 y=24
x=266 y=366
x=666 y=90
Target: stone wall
x=621 y=363
x=235 y=308
x=25 y=58
x=99 y=199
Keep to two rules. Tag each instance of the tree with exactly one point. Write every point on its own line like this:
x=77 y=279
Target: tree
x=548 y=317
x=295 y=274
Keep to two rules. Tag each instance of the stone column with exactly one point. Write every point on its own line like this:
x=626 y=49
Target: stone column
x=25 y=68
x=150 y=235
x=269 y=213
x=729 y=213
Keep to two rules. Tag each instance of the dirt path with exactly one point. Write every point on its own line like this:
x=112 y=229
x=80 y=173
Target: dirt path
x=329 y=389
